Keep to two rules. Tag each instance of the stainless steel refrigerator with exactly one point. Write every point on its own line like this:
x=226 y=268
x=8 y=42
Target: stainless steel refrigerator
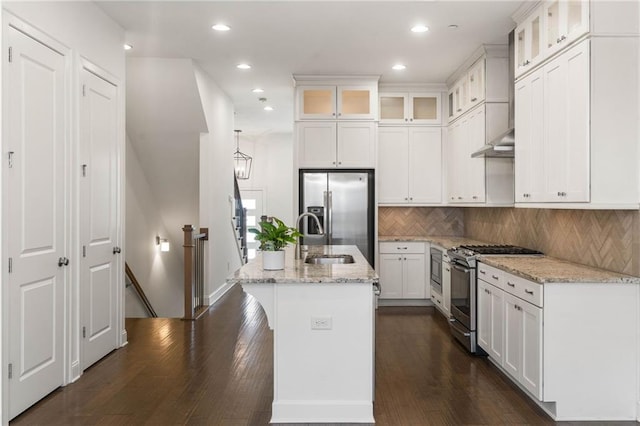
x=343 y=201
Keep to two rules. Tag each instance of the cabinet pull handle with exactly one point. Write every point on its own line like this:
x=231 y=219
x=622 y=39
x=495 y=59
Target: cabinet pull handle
x=447 y=269
x=495 y=277
x=411 y=119
x=483 y=272
x=529 y=292
x=510 y=284
x=527 y=62
x=459 y=109
x=333 y=114
x=475 y=197
x=473 y=99
x=339 y=114
x=406 y=119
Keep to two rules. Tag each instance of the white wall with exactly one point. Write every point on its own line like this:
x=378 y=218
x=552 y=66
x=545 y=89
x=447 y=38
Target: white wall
x=216 y=184
x=272 y=171
x=160 y=274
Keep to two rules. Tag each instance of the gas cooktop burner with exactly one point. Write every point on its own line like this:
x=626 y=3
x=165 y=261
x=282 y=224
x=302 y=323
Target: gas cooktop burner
x=500 y=249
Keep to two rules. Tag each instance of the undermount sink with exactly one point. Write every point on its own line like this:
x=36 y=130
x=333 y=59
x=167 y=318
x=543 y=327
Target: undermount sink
x=329 y=259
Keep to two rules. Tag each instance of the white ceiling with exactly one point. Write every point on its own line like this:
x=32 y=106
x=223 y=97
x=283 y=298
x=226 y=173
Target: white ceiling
x=309 y=37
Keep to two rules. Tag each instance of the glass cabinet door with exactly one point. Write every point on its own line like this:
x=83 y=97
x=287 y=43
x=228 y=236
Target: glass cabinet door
x=552 y=17
x=316 y=102
x=476 y=83
x=393 y=108
x=425 y=108
x=356 y=102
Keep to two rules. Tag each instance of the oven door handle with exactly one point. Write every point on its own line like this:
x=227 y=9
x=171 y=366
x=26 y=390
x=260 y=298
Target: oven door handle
x=460 y=267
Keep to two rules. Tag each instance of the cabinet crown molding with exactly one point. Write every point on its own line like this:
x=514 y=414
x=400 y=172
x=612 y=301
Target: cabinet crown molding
x=412 y=87
x=485 y=50
x=333 y=80
x=525 y=10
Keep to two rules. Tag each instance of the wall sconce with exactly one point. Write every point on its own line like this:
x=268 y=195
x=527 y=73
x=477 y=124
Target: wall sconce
x=163 y=243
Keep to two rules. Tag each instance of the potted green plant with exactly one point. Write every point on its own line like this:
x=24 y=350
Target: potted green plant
x=274 y=236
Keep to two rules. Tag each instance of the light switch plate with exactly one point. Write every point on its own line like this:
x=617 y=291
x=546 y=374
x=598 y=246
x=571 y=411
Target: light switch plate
x=321 y=323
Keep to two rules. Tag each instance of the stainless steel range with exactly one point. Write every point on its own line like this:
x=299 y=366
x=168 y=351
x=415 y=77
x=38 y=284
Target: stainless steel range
x=464 y=288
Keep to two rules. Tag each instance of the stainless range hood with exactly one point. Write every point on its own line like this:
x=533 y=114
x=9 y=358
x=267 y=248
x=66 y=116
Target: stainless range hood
x=502 y=146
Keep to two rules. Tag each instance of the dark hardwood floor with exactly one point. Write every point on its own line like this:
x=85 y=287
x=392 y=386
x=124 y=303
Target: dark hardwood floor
x=218 y=371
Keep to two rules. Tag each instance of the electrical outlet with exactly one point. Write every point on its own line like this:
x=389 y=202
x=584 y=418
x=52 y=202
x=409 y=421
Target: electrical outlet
x=321 y=323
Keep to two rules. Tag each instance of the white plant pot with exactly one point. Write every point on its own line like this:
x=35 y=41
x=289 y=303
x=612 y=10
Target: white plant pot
x=273 y=260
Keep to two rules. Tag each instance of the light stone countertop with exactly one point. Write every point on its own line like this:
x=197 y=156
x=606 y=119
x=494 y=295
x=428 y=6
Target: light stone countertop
x=540 y=269
x=545 y=269
x=445 y=242
x=296 y=271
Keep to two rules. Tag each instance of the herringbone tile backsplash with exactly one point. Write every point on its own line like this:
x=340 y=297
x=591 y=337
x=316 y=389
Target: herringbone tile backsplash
x=420 y=221
x=608 y=239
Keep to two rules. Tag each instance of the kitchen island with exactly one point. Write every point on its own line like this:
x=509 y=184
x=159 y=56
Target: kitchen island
x=323 y=318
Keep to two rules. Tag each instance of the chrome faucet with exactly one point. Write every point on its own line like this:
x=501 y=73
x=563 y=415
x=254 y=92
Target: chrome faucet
x=320 y=232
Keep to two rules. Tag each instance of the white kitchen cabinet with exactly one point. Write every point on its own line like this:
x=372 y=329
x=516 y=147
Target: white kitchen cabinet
x=337 y=102
x=329 y=144
x=482 y=181
x=475 y=83
x=409 y=165
x=566 y=125
x=491 y=320
x=564 y=22
x=552 y=122
x=530 y=165
x=529 y=42
x=403 y=270
x=410 y=108
x=523 y=343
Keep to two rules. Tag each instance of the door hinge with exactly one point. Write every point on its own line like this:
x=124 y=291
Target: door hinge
x=10 y=371
x=84 y=90
x=10 y=265
x=84 y=332
x=10 y=54
x=84 y=251
x=84 y=170
x=10 y=158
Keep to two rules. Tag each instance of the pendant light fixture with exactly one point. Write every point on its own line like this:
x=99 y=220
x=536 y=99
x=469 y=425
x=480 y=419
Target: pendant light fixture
x=242 y=161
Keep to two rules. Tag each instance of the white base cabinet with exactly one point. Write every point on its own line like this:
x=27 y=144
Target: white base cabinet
x=403 y=270
x=574 y=364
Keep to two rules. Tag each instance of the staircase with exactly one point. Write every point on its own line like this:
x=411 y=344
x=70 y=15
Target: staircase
x=239 y=223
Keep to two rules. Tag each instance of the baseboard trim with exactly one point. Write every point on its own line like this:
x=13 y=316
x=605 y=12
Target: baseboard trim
x=219 y=292
x=76 y=371
x=405 y=302
x=322 y=412
x=123 y=339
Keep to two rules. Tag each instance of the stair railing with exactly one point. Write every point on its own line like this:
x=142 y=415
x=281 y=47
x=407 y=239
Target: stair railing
x=138 y=288
x=194 y=260
x=239 y=223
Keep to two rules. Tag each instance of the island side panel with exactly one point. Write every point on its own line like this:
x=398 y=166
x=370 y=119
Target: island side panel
x=590 y=350
x=323 y=375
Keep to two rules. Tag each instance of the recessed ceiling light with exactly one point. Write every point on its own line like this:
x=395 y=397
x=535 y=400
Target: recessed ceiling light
x=257 y=90
x=268 y=108
x=221 y=27
x=243 y=66
x=453 y=27
x=398 y=67
x=420 y=29
x=128 y=47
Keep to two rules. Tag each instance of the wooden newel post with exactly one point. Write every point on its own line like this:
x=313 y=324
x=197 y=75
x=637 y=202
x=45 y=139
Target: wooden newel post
x=188 y=271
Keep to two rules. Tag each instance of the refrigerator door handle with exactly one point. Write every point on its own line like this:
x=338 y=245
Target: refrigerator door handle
x=328 y=203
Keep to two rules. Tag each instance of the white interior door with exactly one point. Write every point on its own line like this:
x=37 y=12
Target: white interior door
x=35 y=218
x=98 y=217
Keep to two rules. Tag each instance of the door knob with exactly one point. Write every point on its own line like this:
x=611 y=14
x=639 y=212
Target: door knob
x=117 y=250
x=62 y=261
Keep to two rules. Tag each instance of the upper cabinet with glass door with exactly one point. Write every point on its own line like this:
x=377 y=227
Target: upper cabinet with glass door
x=529 y=45
x=565 y=21
x=410 y=108
x=547 y=29
x=357 y=102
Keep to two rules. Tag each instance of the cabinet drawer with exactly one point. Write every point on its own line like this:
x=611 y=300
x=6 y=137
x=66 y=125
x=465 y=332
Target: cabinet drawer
x=402 y=247
x=524 y=289
x=491 y=275
x=436 y=299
